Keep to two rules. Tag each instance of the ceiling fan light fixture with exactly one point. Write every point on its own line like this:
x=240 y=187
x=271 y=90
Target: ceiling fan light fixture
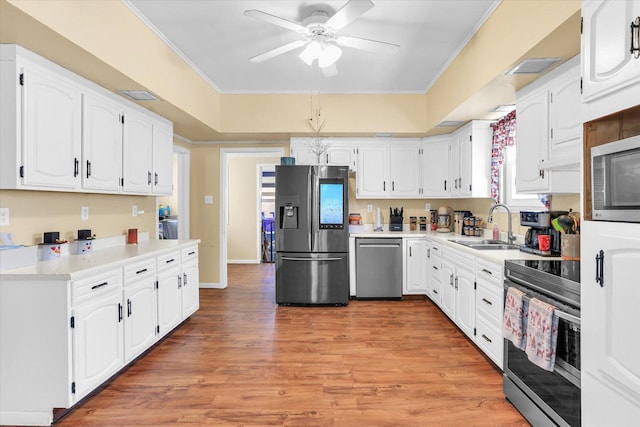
x=329 y=55
x=311 y=52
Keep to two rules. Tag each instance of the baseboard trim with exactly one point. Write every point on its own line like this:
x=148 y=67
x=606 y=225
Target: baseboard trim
x=212 y=285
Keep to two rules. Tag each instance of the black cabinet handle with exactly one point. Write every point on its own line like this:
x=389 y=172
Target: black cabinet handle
x=170 y=260
x=156 y=178
x=484 y=270
x=600 y=268
x=393 y=186
x=445 y=185
x=128 y=308
x=179 y=281
x=88 y=168
x=384 y=185
x=119 y=312
x=148 y=177
x=486 y=301
x=141 y=271
x=486 y=338
x=635 y=38
x=435 y=292
x=191 y=253
x=435 y=268
x=76 y=165
x=100 y=285
x=410 y=251
x=184 y=279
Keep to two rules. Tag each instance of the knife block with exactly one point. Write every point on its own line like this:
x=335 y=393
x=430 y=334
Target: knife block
x=395 y=223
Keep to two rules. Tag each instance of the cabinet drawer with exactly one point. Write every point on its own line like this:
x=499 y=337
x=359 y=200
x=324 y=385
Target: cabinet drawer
x=168 y=260
x=490 y=340
x=436 y=252
x=489 y=304
x=140 y=270
x=190 y=253
x=98 y=285
x=489 y=271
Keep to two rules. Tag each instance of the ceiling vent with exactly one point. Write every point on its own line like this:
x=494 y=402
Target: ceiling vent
x=139 y=95
x=533 y=66
x=449 y=123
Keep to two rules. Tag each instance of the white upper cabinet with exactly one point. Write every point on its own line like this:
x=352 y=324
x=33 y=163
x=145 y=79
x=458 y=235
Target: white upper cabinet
x=549 y=132
x=372 y=178
x=404 y=169
x=162 y=158
x=608 y=66
x=470 y=160
x=101 y=143
x=137 y=151
x=435 y=166
x=61 y=132
x=339 y=152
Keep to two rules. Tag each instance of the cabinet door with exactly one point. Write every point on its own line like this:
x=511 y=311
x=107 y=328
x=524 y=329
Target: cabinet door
x=140 y=317
x=608 y=65
x=466 y=164
x=531 y=128
x=373 y=172
x=101 y=143
x=610 y=316
x=340 y=156
x=448 y=294
x=416 y=265
x=137 y=152
x=404 y=170
x=169 y=299
x=304 y=156
x=190 y=288
x=465 y=301
x=435 y=169
x=51 y=130
x=565 y=139
x=162 y=159
x=98 y=341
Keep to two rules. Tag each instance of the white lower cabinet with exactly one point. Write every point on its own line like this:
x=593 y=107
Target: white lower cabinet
x=458 y=299
x=62 y=337
x=434 y=265
x=489 y=309
x=416 y=267
x=610 y=318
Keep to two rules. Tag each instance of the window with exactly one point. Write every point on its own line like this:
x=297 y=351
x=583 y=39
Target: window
x=508 y=194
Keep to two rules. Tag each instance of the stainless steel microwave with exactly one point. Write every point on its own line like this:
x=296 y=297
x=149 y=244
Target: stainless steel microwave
x=615 y=180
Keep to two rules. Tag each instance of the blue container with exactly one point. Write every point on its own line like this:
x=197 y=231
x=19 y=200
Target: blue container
x=287 y=161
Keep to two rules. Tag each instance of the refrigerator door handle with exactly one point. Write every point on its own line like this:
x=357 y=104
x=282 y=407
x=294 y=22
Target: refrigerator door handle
x=286 y=258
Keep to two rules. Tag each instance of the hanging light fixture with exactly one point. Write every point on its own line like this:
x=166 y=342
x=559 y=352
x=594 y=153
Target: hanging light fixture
x=326 y=54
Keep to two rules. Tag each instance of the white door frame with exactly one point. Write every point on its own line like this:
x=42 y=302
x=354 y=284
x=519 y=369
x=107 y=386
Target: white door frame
x=260 y=168
x=183 y=156
x=225 y=154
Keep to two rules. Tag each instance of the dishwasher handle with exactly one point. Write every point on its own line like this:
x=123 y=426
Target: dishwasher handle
x=379 y=245
x=286 y=258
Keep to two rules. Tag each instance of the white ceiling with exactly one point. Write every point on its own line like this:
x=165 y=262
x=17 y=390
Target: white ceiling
x=218 y=40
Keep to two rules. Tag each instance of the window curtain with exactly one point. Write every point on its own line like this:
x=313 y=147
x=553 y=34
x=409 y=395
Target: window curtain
x=504 y=135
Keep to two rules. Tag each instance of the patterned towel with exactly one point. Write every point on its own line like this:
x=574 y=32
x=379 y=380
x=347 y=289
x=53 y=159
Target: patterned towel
x=512 y=322
x=542 y=334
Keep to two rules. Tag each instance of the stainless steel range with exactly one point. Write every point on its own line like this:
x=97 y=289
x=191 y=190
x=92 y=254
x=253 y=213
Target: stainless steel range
x=544 y=397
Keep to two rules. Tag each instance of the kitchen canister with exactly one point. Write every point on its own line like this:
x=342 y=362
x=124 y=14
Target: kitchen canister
x=570 y=246
x=287 y=161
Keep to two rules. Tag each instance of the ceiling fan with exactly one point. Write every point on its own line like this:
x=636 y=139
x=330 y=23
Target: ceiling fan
x=319 y=35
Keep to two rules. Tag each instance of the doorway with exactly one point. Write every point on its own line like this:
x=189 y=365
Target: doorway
x=246 y=195
x=173 y=221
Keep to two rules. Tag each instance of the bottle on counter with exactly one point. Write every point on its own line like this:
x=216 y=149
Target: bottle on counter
x=496 y=232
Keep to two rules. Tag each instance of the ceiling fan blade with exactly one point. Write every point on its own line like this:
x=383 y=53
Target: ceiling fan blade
x=368 y=45
x=330 y=71
x=349 y=13
x=275 y=20
x=278 y=51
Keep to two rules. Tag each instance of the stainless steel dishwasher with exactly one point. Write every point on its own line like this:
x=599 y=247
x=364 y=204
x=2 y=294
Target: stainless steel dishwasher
x=379 y=268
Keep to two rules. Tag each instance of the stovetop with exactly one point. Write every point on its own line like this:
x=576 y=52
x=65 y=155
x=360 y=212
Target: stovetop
x=557 y=278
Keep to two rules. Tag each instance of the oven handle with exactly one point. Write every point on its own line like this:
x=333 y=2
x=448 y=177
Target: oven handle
x=561 y=314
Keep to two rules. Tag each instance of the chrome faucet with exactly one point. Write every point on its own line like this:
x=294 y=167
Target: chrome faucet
x=510 y=237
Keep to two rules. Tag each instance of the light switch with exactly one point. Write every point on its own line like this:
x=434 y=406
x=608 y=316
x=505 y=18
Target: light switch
x=84 y=213
x=369 y=208
x=427 y=207
x=134 y=210
x=4 y=216
x=208 y=200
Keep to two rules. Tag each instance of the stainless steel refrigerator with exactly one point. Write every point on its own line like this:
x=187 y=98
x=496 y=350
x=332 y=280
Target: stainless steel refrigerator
x=312 y=235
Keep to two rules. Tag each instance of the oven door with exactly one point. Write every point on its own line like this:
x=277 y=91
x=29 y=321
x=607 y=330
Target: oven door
x=556 y=393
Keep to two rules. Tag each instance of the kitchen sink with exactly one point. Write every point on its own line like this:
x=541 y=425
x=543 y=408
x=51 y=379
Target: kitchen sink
x=486 y=244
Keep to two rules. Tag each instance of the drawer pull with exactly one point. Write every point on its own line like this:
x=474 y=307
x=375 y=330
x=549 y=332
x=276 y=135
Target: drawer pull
x=435 y=292
x=184 y=279
x=435 y=268
x=486 y=301
x=484 y=270
x=486 y=338
x=170 y=260
x=191 y=253
x=100 y=285
x=119 y=312
x=141 y=271
x=128 y=308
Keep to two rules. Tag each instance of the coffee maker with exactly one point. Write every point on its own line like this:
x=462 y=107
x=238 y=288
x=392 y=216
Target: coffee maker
x=540 y=224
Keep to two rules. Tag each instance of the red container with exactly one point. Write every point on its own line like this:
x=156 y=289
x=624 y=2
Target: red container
x=544 y=242
x=132 y=236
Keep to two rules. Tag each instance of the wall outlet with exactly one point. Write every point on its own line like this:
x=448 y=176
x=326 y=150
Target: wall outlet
x=4 y=216
x=84 y=213
x=134 y=210
x=427 y=207
x=369 y=208
x=208 y=200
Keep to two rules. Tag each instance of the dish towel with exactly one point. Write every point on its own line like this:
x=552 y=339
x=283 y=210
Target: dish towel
x=542 y=334
x=512 y=321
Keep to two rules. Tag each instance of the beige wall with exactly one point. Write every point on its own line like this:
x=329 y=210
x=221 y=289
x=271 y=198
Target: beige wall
x=243 y=224
x=34 y=212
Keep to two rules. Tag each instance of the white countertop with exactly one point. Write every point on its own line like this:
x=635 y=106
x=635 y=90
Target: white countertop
x=72 y=267
x=499 y=255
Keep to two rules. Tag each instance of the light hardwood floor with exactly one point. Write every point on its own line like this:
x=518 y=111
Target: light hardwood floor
x=241 y=360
